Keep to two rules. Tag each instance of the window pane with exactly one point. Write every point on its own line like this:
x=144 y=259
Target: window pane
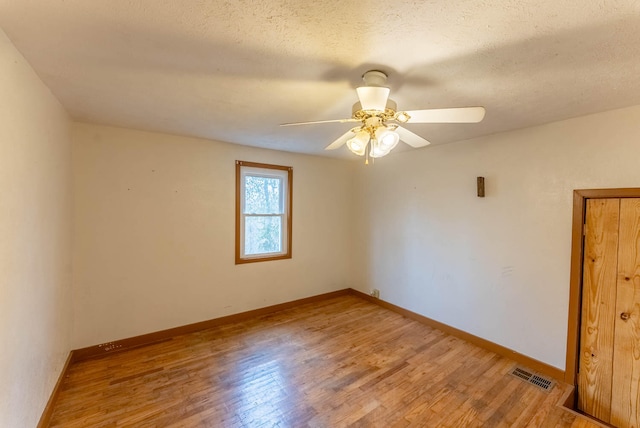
x=262 y=235
x=263 y=219
x=262 y=195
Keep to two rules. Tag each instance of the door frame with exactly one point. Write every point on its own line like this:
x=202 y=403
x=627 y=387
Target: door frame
x=575 y=285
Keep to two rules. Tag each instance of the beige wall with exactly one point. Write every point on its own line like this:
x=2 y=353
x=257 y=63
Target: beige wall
x=35 y=239
x=497 y=267
x=154 y=232
x=154 y=229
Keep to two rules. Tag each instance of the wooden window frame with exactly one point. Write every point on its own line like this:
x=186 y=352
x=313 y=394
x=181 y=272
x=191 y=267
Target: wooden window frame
x=288 y=207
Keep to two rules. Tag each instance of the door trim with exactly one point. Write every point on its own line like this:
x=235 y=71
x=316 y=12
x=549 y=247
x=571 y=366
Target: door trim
x=575 y=283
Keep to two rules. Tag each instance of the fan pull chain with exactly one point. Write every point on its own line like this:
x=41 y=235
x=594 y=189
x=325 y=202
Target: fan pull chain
x=366 y=153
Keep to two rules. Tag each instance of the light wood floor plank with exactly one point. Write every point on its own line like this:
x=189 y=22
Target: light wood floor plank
x=337 y=363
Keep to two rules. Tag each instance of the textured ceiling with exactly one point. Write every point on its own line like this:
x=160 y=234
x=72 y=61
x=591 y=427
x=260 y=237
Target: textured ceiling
x=233 y=70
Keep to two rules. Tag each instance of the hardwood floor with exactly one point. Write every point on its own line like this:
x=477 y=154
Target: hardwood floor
x=339 y=362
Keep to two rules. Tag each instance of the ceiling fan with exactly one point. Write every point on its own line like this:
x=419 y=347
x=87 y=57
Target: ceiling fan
x=379 y=130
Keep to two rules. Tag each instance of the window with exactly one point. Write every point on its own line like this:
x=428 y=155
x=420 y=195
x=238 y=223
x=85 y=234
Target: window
x=263 y=212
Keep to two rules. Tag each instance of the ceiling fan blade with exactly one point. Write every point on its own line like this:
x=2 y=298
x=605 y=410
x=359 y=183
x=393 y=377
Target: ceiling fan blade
x=321 y=121
x=446 y=115
x=341 y=140
x=373 y=97
x=414 y=140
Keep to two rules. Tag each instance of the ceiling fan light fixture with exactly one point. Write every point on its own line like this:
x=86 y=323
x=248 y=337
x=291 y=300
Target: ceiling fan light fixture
x=387 y=138
x=379 y=150
x=358 y=144
x=382 y=146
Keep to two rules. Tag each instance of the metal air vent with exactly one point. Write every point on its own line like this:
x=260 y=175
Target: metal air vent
x=532 y=378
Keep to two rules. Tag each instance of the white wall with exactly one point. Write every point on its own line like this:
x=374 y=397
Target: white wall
x=154 y=223
x=496 y=267
x=35 y=239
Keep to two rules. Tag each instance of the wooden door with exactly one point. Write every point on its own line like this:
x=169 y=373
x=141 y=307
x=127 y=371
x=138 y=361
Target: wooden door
x=609 y=372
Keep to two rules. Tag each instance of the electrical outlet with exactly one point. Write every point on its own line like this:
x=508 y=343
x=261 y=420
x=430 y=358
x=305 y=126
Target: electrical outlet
x=375 y=293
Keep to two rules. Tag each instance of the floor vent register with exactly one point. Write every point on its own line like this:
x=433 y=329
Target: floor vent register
x=534 y=379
